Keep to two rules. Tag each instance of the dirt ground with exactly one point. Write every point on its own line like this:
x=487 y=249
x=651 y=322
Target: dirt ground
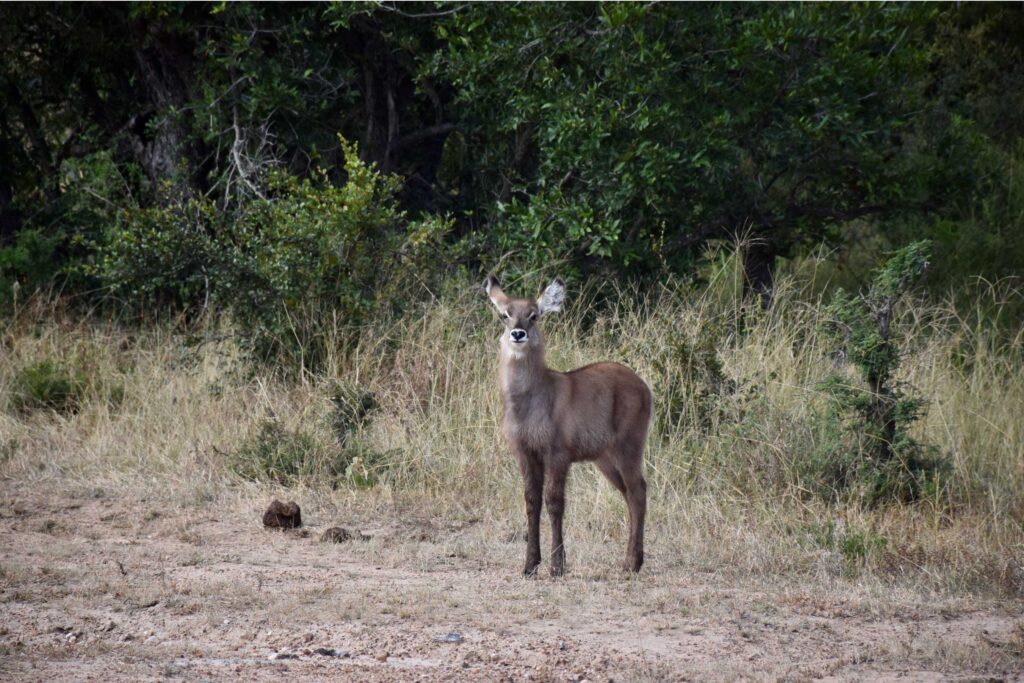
x=95 y=587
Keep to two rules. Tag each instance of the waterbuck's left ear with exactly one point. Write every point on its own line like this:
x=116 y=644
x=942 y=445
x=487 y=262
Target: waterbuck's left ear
x=553 y=297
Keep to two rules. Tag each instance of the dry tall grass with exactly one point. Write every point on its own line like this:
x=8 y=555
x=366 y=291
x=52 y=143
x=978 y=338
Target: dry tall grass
x=164 y=414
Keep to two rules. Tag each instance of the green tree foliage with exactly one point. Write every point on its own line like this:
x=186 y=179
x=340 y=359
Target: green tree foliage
x=629 y=133
x=613 y=137
x=154 y=105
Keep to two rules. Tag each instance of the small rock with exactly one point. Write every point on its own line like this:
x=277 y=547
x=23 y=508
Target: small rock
x=452 y=637
x=382 y=656
x=330 y=652
x=282 y=515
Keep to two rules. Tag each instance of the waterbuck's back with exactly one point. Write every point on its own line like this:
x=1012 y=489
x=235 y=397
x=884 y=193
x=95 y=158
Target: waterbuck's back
x=601 y=407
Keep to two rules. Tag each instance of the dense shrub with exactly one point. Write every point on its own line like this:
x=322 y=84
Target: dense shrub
x=867 y=445
x=62 y=386
x=308 y=253
x=48 y=385
x=278 y=455
x=26 y=265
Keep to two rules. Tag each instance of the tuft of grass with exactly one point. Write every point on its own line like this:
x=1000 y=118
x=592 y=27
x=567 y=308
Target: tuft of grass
x=48 y=385
x=277 y=455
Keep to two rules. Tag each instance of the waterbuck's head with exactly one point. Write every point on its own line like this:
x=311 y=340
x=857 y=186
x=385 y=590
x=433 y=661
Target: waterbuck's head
x=520 y=316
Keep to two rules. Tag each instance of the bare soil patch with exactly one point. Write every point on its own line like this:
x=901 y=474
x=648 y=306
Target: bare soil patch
x=102 y=588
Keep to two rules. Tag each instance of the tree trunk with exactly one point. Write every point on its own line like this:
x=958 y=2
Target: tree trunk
x=10 y=217
x=164 y=63
x=759 y=269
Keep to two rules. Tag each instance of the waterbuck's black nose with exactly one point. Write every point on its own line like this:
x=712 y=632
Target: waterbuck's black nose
x=518 y=335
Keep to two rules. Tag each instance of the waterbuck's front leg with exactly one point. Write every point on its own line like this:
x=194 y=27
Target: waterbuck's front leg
x=533 y=484
x=554 y=499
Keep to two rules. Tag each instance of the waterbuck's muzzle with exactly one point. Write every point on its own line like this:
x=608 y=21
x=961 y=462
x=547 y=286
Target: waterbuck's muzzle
x=518 y=335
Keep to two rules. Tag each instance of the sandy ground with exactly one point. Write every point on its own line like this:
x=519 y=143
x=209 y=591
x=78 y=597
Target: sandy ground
x=99 y=588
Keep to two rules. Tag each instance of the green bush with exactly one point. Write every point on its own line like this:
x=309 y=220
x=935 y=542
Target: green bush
x=855 y=545
x=48 y=385
x=286 y=457
x=293 y=267
x=63 y=386
x=167 y=256
x=29 y=263
x=352 y=407
x=689 y=381
x=866 y=443
x=281 y=456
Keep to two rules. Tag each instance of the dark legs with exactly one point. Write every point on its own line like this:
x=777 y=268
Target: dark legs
x=533 y=483
x=547 y=486
x=629 y=480
x=636 y=500
x=554 y=499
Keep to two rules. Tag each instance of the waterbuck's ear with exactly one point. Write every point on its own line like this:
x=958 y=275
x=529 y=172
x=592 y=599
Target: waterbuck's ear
x=492 y=288
x=553 y=297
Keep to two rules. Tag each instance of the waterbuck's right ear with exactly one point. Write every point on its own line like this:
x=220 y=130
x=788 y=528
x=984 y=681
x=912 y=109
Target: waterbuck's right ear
x=553 y=297
x=492 y=288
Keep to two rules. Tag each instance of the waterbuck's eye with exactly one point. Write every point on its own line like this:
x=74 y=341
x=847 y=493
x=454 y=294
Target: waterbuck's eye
x=533 y=316
x=505 y=316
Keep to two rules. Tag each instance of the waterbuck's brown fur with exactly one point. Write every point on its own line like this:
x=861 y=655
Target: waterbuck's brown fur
x=599 y=412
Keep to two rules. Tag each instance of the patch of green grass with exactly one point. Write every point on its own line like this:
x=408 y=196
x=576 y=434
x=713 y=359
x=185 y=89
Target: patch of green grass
x=48 y=385
x=278 y=455
x=855 y=545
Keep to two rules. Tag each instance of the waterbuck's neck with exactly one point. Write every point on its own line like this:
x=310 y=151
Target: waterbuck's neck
x=522 y=371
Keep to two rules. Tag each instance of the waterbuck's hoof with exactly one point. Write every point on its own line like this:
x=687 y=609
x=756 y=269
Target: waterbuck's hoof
x=632 y=566
x=530 y=570
x=557 y=570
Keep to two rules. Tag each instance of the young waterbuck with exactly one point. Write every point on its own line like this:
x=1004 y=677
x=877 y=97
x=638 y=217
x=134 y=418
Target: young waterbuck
x=599 y=412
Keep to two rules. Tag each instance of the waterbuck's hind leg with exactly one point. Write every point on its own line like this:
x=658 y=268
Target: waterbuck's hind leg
x=636 y=501
x=554 y=500
x=533 y=487
x=607 y=467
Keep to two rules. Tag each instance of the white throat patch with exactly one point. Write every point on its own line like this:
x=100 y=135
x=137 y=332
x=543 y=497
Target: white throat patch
x=513 y=353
